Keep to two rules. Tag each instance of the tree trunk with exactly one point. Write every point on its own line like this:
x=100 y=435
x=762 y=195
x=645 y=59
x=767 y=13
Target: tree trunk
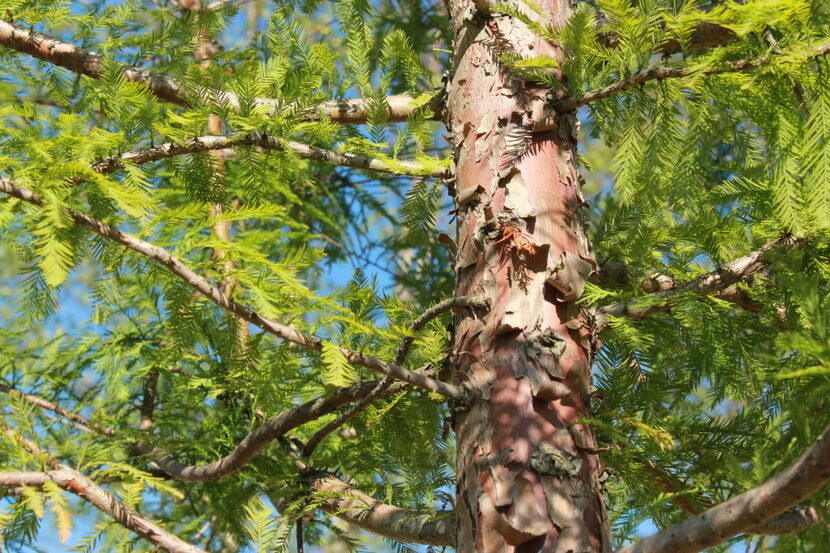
x=528 y=473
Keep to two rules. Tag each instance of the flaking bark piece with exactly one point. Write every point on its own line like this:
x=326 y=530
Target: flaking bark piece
x=569 y=276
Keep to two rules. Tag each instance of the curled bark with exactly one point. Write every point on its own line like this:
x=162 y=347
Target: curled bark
x=527 y=466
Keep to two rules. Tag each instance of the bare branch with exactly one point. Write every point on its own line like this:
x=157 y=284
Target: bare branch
x=55 y=408
x=16 y=479
x=342 y=501
x=790 y=522
x=74 y=482
x=662 y=73
x=200 y=5
x=252 y=444
x=711 y=283
x=364 y=511
x=267 y=142
x=257 y=440
x=750 y=509
x=466 y=302
x=203 y=286
x=391 y=518
x=79 y=60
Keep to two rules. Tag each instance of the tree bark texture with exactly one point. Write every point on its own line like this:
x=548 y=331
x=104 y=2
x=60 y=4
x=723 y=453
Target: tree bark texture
x=528 y=473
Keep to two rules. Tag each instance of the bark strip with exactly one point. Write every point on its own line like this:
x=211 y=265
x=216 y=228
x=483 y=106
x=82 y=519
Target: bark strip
x=527 y=466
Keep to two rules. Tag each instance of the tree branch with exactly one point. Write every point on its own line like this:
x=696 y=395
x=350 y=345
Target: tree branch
x=466 y=302
x=790 y=522
x=750 y=509
x=74 y=482
x=79 y=60
x=342 y=501
x=391 y=521
x=662 y=73
x=203 y=286
x=267 y=142
x=253 y=443
x=364 y=511
x=711 y=283
x=55 y=408
x=257 y=440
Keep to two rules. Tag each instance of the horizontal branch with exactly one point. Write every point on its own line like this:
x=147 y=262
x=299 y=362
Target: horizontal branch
x=799 y=481
x=84 y=62
x=662 y=73
x=79 y=60
x=204 y=287
x=710 y=283
x=344 y=501
x=76 y=483
x=267 y=142
x=364 y=511
x=391 y=521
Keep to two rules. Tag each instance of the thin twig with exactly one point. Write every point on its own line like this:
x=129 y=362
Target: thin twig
x=466 y=302
x=662 y=73
x=55 y=408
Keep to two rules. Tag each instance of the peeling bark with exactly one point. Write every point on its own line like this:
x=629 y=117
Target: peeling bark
x=527 y=467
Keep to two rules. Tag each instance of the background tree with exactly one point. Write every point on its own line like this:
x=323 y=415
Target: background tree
x=596 y=301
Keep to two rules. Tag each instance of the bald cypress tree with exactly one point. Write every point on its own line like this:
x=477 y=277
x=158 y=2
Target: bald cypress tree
x=521 y=276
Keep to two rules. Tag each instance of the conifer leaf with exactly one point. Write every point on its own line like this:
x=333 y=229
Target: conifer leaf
x=339 y=371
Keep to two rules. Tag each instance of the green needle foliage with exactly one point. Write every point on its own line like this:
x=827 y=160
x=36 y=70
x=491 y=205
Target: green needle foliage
x=692 y=404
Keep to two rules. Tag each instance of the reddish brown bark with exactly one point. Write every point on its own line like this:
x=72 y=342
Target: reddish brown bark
x=527 y=477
